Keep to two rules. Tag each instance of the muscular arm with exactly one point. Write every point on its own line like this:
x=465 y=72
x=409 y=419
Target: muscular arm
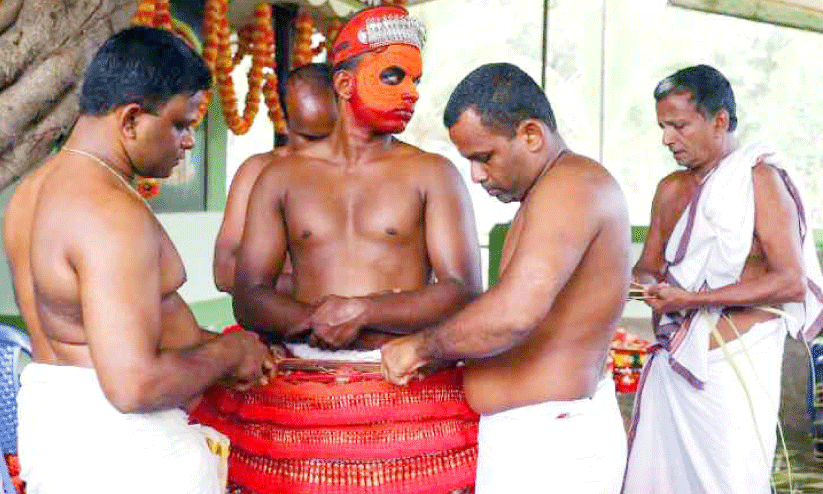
x=560 y=221
x=257 y=304
x=776 y=226
x=120 y=296
x=231 y=230
x=453 y=251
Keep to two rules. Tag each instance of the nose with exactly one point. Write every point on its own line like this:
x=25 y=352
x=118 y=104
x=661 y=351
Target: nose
x=410 y=94
x=187 y=142
x=668 y=137
x=478 y=172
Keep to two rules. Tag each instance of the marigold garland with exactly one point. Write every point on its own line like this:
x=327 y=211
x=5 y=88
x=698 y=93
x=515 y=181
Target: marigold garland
x=304 y=28
x=257 y=40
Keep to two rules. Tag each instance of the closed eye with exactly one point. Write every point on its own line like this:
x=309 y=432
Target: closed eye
x=481 y=158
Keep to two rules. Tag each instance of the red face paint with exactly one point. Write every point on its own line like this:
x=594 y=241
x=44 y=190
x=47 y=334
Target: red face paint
x=385 y=91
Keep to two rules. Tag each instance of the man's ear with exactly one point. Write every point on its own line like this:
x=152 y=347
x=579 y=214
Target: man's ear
x=127 y=118
x=532 y=133
x=721 y=121
x=343 y=82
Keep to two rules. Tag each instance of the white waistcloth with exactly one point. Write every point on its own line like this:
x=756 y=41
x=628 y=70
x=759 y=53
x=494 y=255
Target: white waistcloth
x=303 y=350
x=696 y=441
x=558 y=446
x=709 y=247
x=73 y=441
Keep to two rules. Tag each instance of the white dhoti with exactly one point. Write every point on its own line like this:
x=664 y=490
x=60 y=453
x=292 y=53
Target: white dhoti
x=712 y=440
x=694 y=428
x=558 y=446
x=73 y=441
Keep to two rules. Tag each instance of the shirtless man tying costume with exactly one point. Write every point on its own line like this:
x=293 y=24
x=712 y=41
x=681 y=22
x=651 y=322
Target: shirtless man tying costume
x=727 y=238
x=536 y=343
x=382 y=240
x=310 y=113
x=116 y=350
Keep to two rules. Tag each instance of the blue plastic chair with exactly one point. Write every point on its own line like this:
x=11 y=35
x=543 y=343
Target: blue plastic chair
x=13 y=344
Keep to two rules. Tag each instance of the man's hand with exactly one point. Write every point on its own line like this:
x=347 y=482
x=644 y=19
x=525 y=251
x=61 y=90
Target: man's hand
x=336 y=322
x=256 y=364
x=666 y=298
x=401 y=360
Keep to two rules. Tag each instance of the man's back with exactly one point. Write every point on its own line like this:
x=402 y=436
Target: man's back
x=17 y=227
x=565 y=355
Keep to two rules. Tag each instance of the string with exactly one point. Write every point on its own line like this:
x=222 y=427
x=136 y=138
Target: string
x=111 y=169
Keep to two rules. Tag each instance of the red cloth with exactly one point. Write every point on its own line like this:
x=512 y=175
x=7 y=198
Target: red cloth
x=347 y=432
x=373 y=28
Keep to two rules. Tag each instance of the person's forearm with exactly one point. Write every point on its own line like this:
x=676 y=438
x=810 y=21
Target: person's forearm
x=406 y=312
x=177 y=376
x=264 y=310
x=771 y=288
x=489 y=326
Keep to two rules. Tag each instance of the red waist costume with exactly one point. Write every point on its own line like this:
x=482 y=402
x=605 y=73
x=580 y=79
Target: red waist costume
x=346 y=431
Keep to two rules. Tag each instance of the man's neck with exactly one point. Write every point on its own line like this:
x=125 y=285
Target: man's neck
x=357 y=142
x=85 y=137
x=554 y=151
x=726 y=148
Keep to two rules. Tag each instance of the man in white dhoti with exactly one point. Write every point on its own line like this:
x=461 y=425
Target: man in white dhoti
x=535 y=345
x=117 y=353
x=730 y=268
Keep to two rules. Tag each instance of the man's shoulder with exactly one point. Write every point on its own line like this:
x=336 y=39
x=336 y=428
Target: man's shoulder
x=422 y=161
x=576 y=170
x=579 y=183
x=675 y=183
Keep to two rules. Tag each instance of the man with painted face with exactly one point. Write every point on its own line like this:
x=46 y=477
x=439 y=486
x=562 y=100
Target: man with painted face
x=381 y=234
x=382 y=241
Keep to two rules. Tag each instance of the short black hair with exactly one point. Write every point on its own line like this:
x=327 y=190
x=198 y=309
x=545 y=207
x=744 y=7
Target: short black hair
x=503 y=96
x=141 y=65
x=709 y=88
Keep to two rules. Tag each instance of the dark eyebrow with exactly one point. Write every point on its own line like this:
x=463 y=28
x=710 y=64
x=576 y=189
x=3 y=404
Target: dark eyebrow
x=479 y=156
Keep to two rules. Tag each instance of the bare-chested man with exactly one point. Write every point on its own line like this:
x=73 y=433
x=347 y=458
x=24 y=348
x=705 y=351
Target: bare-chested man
x=536 y=343
x=368 y=220
x=382 y=240
x=726 y=239
x=310 y=112
x=116 y=350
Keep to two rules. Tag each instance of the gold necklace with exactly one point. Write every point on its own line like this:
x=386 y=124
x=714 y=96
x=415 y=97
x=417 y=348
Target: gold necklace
x=112 y=170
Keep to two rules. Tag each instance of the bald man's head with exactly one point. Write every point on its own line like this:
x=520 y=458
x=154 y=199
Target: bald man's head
x=309 y=104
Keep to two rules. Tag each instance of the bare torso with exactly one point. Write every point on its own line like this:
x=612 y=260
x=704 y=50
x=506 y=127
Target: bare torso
x=50 y=220
x=356 y=231
x=564 y=357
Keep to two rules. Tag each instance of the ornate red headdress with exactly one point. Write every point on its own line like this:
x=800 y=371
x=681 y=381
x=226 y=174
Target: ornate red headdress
x=374 y=28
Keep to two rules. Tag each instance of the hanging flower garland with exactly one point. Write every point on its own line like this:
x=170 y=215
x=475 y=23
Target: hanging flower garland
x=303 y=30
x=257 y=40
